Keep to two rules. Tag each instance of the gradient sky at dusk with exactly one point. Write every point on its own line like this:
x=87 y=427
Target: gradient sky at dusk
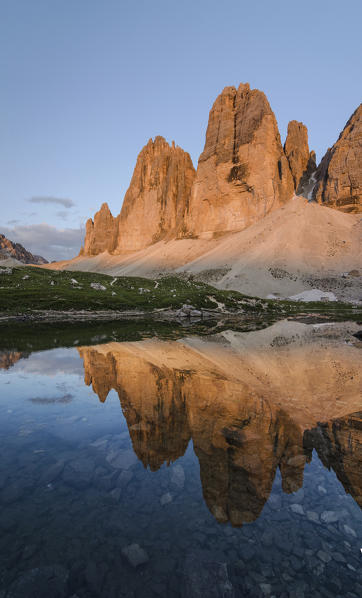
x=85 y=84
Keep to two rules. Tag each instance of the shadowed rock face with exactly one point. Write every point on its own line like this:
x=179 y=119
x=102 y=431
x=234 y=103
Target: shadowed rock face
x=242 y=428
x=242 y=173
x=339 y=175
x=301 y=161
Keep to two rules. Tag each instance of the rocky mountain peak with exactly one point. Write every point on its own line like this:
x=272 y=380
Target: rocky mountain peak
x=154 y=204
x=100 y=233
x=9 y=249
x=302 y=162
x=339 y=175
x=242 y=173
x=158 y=195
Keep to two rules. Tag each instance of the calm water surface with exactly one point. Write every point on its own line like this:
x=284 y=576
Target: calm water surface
x=227 y=467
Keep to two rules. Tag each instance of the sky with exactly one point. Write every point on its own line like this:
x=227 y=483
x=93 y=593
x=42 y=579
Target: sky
x=86 y=83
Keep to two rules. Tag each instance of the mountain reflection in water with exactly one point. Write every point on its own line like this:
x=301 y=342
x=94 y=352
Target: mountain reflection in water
x=228 y=465
x=250 y=403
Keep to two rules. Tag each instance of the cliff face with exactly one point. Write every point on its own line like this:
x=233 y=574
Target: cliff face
x=18 y=252
x=153 y=207
x=339 y=175
x=243 y=172
x=240 y=440
x=302 y=162
x=100 y=234
x=156 y=200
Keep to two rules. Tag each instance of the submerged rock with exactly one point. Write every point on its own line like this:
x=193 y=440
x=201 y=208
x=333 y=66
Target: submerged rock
x=41 y=582
x=135 y=555
x=205 y=578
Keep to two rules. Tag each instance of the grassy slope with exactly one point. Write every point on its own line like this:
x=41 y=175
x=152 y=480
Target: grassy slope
x=123 y=293
x=28 y=289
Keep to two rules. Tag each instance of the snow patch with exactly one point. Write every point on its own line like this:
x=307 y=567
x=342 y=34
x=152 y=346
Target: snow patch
x=314 y=295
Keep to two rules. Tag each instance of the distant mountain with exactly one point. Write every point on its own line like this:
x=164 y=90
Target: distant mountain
x=8 y=249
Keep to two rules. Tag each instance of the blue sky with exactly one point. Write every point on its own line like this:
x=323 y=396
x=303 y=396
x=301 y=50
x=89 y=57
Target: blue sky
x=86 y=83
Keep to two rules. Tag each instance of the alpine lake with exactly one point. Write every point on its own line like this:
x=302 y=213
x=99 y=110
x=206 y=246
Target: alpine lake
x=142 y=460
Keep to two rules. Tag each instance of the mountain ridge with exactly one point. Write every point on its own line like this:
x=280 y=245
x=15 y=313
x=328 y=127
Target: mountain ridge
x=16 y=251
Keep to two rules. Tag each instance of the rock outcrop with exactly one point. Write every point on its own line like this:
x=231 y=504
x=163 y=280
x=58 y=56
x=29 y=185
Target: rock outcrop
x=302 y=162
x=156 y=200
x=154 y=204
x=339 y=175
x=9 y=249
x=100 y=234
x=243 y=172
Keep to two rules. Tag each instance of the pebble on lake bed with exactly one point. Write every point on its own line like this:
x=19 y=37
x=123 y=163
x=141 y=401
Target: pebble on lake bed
x=166 y=499
x=135 y=555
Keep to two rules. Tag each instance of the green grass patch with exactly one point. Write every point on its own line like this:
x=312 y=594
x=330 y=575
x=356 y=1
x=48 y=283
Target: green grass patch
x=26 y=290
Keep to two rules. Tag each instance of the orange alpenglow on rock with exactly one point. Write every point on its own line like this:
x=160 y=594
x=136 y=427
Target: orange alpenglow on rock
x=302 y=162
x=243 y=172
x=100 y=234
x=154 y=204
x=339 y=175
x=158 y=195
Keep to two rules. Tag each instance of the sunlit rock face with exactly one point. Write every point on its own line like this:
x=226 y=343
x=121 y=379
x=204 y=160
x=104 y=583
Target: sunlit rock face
x=339 y=175
x=249 y=409
x=242 y=175
x=301 y=161
x=154 y=205
x=100 y=234
x=243 y=172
